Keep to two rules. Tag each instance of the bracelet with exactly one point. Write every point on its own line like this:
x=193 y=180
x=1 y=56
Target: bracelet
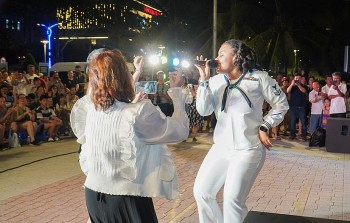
x=204 y=83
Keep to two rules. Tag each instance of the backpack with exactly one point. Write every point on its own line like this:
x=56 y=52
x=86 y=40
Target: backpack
x=318 y=138
x=13 y=140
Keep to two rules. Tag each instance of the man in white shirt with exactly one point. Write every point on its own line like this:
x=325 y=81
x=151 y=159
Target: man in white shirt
x=328 y=85
x=337 y=93
x=316 y=100
x=31 y=73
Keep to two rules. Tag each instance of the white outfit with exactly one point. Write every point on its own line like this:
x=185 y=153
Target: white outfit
x=316 y=107
x=124 y=149
x=237 y=155
x=338 y=103
x=325 y=89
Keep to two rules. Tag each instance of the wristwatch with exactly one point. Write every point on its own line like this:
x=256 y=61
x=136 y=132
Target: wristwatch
x=263 y=128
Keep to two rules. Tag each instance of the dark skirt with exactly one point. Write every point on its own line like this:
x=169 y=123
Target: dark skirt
x=119 y=208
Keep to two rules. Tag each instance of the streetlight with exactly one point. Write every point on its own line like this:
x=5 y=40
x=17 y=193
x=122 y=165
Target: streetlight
x=44 y=42
x=295 y=59
x=48 y=33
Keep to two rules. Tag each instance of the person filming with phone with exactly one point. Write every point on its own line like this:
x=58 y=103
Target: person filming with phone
x=298 y=104
x=337 y=93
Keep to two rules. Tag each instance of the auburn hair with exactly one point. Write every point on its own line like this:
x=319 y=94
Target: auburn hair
x=110 y=79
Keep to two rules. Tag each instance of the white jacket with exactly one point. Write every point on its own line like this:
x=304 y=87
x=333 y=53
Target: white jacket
x=237 y=126
x=124 y=148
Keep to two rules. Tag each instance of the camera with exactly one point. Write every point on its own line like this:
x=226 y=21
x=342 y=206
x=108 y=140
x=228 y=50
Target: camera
x=296 y=81
x=212 y=63
x=148 y=87
x=334 y=83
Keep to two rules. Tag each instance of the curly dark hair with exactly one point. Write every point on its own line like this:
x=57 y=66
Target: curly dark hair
x=245 y=56
x=110 y=79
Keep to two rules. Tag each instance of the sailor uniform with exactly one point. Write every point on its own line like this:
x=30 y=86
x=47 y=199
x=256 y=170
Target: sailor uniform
x=237 y=154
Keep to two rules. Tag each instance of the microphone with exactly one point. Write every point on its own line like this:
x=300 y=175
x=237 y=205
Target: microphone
x=212 y=63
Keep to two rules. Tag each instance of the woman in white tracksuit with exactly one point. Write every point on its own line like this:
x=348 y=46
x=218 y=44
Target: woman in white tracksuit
x=236 y=96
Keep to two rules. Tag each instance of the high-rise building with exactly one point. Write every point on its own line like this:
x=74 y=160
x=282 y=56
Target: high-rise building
x=106 y=19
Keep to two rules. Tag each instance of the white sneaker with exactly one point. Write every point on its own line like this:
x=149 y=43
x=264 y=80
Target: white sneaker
x=57 y=138
x=50 y=140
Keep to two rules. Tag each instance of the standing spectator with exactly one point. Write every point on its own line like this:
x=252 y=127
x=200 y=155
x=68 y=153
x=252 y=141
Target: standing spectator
x=337 y=94
x=298 y=104
x=163 y=100
x=241 y=138
x=81 y=80
x=286 y=119
x=325 y=112
x=316 y=100
x=327 y=86
x=347 y=104
x=195 y=118
x=310 y=84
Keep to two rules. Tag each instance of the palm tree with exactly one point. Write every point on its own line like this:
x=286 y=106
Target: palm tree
x=289 y=27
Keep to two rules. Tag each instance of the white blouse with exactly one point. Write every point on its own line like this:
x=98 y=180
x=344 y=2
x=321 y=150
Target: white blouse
x=124 y=149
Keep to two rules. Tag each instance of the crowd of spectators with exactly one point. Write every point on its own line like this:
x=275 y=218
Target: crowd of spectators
x=34 y=103
x=36 y=107
x=311 y=102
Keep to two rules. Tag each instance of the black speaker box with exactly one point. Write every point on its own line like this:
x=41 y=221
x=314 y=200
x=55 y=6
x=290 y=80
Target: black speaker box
x=338 y=135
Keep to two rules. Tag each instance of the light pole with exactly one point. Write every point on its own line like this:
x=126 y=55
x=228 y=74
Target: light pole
x=48 y=33
x=295 y=59
x=44 y=42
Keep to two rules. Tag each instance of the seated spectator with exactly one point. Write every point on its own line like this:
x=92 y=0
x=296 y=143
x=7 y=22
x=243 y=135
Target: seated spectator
x=20 y=83
x=56 y=81
x=38 y=93
x=72 y=97
x=25 y=119
x=48 y=117
x=6 y=115
x=38 y=82
x=53 y=92
x=71 y=81
x=31 y=101
x=8 y=95
x=63 y=112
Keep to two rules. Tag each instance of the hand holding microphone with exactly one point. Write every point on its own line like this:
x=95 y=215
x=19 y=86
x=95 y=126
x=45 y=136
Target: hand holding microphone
x=212 y=63
x=204 y=66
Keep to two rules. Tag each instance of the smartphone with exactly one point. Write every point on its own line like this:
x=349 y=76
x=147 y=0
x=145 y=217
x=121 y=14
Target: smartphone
x=148 y=87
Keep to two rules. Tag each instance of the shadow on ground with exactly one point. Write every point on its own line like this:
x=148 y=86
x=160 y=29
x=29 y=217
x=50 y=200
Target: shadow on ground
x=263 y=217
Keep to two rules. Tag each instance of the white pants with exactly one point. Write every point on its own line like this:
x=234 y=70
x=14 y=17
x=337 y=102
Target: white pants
x=236 y=169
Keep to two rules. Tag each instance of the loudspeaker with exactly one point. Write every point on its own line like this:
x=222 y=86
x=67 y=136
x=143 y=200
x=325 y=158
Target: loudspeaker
x=338 y=135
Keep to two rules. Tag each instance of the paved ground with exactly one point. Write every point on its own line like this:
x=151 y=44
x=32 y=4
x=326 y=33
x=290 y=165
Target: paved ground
x=44 y=184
